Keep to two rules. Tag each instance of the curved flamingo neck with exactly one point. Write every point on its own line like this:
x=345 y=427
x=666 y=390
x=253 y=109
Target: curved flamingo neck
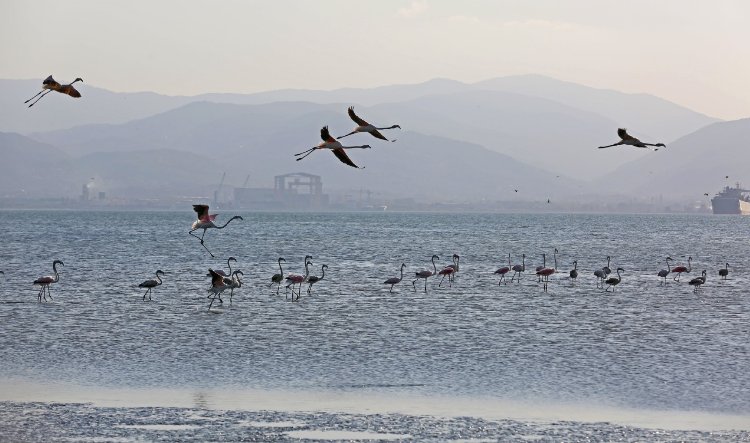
x=402 y=272
x=281 y=271
x=225 y=224
x=57 y=276
x=434 y=268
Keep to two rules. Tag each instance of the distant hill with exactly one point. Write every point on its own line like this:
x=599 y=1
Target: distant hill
x=691 y=166
x=33 y=169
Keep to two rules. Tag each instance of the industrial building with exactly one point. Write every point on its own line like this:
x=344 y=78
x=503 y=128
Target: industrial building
x=294 y=191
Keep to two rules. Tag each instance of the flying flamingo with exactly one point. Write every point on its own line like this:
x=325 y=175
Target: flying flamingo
x=335 y=146
x=151 y=284
x=363 y=126
x=49 y=84
x=206 y=221
x=614 y=281
x=574 y=271
x=518 y=269
x=722 y=272
x=698 y=281
x=277 y=278
x=680 y=269
x=395 y=280
x=311 y=280
x=665 y=272
x=44 y=282
x=218 y=285
x=425 y=274
x=627 y=139
x=502 y=271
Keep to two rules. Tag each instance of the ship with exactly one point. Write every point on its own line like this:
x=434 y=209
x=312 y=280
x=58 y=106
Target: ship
x=731 y=201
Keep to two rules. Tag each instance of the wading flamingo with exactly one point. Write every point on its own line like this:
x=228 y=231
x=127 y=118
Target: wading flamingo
x=311 y=280
x=518 y=269
x=151 y=284
x=44 y=282
x=724 y=272
x=395 y=280
x=680 y=269
x=206 y=221
x=614 y=281
x=425 y=274
x=698 y=281
x=277 y=278
x=665 y=272
x=502 y=271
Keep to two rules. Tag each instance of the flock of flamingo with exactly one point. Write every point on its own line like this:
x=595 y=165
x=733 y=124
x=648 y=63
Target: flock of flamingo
x=221 y=281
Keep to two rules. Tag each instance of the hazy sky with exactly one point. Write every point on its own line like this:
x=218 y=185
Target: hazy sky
x=695 y=53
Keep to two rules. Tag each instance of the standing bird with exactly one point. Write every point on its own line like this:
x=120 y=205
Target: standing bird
x=502 y=271
x=311 y=280
x=363 y=126
x=546 y=272
x=206 y=221
x=277 y=278
x=49 y=84
x=680 y=269
x=539 y=268
x=335 y=146
x=456 y=259
x=44 y=282
x=665 y=272
x=698 y=281
x=218 y=285
x=518 y=269
x=425 y=274
x=627 y=139
x=574 y=271
x=151 y=284
x=233 y=283
x=395 y=280
x=602 y=273
x=296 y=279
x=606 y=269
x=722 y=272
x=446 y=272
x=614 y=281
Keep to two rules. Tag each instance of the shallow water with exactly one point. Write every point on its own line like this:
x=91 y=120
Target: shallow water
x=644 y=346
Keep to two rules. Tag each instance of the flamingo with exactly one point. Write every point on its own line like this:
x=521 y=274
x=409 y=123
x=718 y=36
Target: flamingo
x=395 y=280
x=151 y=284
x=518 y=269
x=296 y=279
x=335 y=146
x=627 y=139
x=218 y=285
x=574 y=271
x=600 y=276
x=311 y=280
x=546 y=272
x=455 y=266
x=614 y=281
x=425 y=274
x=606 y=269
x=680 y=269
x=539 y=268
x=698 y=281
x=49 y=84
x=665 y=272
x=44 y=282
x=229 y=265
x=446 y=272
x=233 y=283
x=206 y=221
x=277 y=278
x=363 y=126
x=502 y=271
x=722 y=272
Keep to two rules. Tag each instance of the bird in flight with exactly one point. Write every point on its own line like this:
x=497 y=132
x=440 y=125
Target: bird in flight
x=49 y=84
x=335 y=146
x=363 y=126
x=627 y=139
x=206 y=221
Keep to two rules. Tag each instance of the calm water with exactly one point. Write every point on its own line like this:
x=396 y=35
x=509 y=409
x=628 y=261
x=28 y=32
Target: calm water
x=645 y=346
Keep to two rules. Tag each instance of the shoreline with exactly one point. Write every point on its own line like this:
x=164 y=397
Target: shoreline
x=370 y=401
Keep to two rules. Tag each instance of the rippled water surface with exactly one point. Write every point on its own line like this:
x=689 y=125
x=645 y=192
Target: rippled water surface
x=645 y=346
